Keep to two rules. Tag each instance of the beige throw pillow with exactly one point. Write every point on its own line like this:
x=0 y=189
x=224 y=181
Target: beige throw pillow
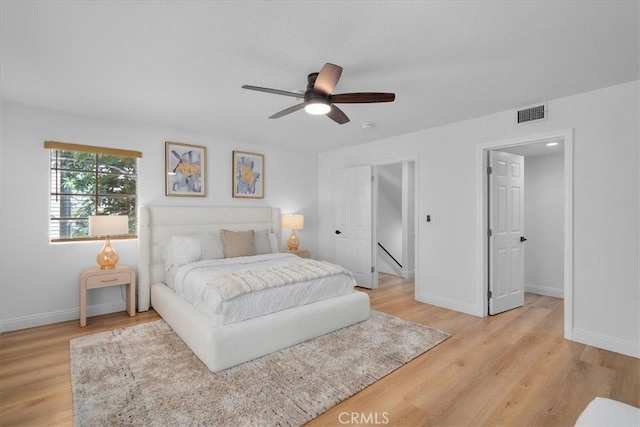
x=237 y=243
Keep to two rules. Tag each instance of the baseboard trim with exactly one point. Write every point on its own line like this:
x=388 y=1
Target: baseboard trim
x=408 y=274
x=604 y=342
x=24 y=322
x=385 y=265
x=544 y=290
x=451 y=304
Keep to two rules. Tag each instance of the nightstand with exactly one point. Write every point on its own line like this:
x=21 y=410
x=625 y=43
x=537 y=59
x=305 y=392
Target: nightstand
x=94 y=277
x=302 y=253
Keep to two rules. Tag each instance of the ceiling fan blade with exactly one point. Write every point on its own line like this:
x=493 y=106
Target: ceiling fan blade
x=327 y=78
x=289 y=110
x=337 y=115
x=362 y=97
x=274 y=91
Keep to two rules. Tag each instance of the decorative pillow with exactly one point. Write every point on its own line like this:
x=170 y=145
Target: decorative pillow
x=273 y=242
x=237 y=243
x=186 y=249
x=166 y=253
x=180 y=250
x=261 y=242
x=211 y=246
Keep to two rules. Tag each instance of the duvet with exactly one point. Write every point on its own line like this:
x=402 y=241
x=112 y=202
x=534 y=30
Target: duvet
x=231 y=290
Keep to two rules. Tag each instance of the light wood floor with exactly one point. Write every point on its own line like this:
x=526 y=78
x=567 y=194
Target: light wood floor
x=514 y=369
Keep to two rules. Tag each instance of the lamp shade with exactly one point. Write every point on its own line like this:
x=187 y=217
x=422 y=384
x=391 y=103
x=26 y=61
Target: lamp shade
x=108 y=225
x=293 y=221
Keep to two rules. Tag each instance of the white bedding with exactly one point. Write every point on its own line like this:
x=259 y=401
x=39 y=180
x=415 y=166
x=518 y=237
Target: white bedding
x=190 y=282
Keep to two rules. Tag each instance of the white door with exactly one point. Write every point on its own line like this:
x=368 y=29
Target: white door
x=353 y=223
x=506 y=231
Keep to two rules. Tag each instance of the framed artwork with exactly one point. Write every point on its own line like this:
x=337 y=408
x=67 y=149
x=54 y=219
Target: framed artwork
x=185 y=170
x=248 y=175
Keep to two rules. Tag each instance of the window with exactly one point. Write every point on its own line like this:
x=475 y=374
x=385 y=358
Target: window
x=89 y=181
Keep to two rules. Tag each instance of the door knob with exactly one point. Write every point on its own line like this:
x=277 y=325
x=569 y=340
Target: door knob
x=523 y=239
x=338 y=232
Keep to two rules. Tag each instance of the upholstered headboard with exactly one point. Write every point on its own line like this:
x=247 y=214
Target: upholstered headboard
x=156 y=223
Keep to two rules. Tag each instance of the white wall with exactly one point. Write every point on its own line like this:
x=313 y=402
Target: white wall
x=409 y=218
x=606 y=208
x=396 y=217
x=389 y=232
x=544 y=224
x=39 y=280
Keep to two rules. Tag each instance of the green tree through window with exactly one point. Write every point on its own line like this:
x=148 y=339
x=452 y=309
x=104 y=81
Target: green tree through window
x=89 y=181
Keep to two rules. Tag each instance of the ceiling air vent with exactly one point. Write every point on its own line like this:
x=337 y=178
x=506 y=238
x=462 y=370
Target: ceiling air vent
x=531 y=113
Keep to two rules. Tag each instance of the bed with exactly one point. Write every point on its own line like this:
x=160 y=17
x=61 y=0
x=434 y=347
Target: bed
x=221 y=345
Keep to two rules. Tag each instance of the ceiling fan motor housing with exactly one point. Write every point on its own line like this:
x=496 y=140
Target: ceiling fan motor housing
x=311 y=96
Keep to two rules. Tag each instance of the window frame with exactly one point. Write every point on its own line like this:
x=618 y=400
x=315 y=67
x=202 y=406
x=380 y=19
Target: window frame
x=94 y=150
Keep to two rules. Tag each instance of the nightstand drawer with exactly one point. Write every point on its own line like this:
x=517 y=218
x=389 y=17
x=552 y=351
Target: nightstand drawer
x=99 y=280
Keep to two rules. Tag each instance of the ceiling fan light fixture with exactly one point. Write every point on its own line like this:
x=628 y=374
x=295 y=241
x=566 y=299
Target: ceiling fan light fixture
x=319 y=98
x=317 y=108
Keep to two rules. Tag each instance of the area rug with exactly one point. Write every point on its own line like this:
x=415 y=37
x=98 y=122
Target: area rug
x=145 y=375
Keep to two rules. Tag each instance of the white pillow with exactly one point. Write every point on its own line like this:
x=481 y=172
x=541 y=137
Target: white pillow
x=167 y=253
x=273 y=242
x=186 y=249
x=261 y=242
x=180 y=250
x=211 y=246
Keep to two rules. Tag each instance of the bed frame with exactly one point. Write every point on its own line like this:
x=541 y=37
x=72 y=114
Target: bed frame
x=225 y=346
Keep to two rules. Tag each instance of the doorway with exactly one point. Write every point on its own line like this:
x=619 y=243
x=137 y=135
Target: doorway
x=394 y=213
x=356 y=212
x=529 y=146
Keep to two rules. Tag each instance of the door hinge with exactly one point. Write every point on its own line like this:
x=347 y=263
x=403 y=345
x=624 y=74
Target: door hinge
x=489 y=170
x=489 y=294
x=373 y=178
x=489 y=233
x=373 y=269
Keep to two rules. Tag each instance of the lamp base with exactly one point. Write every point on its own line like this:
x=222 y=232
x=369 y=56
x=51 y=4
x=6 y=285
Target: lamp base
x=293 y=243
x=108 y=257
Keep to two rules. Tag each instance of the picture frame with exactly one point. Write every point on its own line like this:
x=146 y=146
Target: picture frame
x=185 y=170
x=248 y=175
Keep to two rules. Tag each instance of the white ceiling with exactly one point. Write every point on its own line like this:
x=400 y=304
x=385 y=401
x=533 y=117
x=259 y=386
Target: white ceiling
x=181 y=64
x=535 y=149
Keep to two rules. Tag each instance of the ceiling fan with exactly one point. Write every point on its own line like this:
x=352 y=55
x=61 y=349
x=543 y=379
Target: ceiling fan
x=319 y=99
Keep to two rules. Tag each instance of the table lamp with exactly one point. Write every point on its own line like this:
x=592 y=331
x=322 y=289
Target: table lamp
x=107 y=226
x=293 y=222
